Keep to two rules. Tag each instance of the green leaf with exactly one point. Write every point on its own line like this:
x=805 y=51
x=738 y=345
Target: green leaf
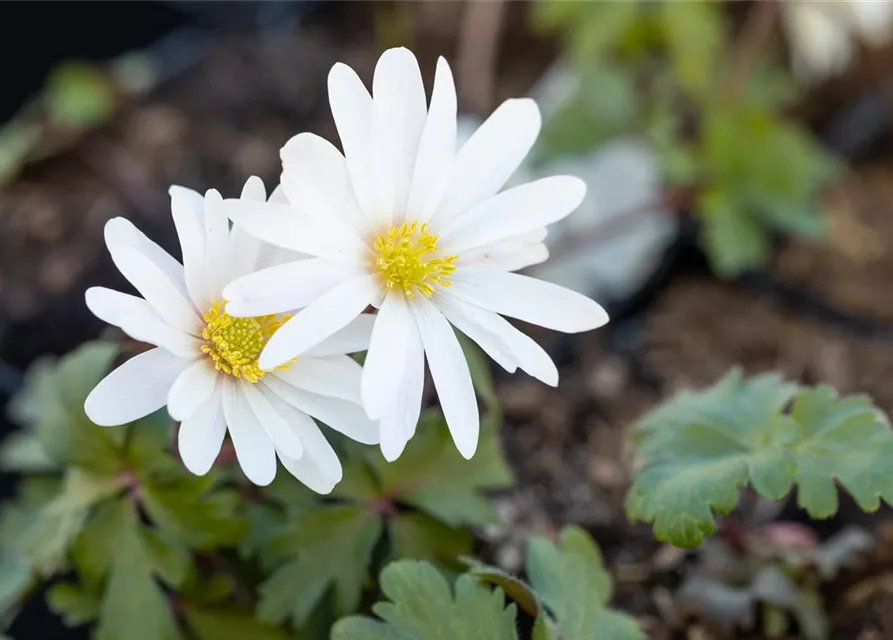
x=573 y=584
x=67 y=435
x=79 y=95
x=514 y=588
x=747 y=197
x=542 y=629
x=15 y=579
x=26 y=406
x=168 y=557
x=843 y=439
x=18 y=140
x=421 y=607
x=191 y=509
x=18 y=520
x=92 y=549
x=73 y=603
x=733 y=240
x=737 y=433
x=212 y=624
x=591 y=28
x=133 y=605
x=432 y=476
x=263 y=522
x=62 y=519
x=330 y=547
x=149 y=441
x=418 y=536
x=694 y=36
x=24 y=453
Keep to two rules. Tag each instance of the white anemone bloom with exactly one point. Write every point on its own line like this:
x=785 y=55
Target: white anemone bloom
x=204 y=366
x=406 y=223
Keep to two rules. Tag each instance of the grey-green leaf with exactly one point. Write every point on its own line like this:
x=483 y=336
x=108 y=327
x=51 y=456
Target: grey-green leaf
x=422 y=607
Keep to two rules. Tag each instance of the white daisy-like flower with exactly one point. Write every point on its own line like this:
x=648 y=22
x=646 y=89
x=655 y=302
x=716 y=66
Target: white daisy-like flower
x=205 y=363
x=404 y=222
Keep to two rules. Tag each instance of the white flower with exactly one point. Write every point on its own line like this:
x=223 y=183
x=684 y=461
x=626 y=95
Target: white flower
x=204 y=366
x=824 y=36
x=407 y=224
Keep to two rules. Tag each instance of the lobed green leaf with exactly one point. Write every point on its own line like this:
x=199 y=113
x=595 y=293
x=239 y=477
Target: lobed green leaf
x=421 y=607
x=700 y=448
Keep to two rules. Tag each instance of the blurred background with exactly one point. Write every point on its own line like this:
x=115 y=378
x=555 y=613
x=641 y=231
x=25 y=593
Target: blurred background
x=740 y=213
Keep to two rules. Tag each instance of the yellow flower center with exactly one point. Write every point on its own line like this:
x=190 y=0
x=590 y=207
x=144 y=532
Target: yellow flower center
x=234 y=344
x=405 y=258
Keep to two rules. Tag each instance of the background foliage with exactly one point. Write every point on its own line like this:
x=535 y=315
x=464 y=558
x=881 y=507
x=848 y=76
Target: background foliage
x=670 y=73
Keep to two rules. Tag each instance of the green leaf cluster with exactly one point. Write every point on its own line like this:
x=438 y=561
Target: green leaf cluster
x=151 y=552
x=417 y=507
x=322 y=553
x=668 y=72
x=699 y=448
x=109 y=507
x=567 y=595
x=763 y=175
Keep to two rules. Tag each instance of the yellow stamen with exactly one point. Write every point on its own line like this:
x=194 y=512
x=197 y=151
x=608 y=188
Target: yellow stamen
x=234 y=344
x=404 y=257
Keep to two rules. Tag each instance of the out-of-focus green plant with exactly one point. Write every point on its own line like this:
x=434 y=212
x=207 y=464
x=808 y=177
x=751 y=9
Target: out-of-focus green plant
x=76 y=97
x=699 y=448
x=134 y=545
x=112 y=510
x=417 y=507
x=667 y=71
x=567 y=597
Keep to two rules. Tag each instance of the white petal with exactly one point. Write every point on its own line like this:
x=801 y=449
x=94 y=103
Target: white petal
x=201 y=435
x=246 y=253
x=335 y=376
x=217 y=243
x=399 y=421
x=517 y=250
x=437 y=147
x=513 y=213
x=245 y=250
x=278 y=195
x=342 y=416
x=192 y=388
x=487 y=160
x=520 y=259
x=386 y=358
x=138 y=319
x=187 y=209
x=315 y=179
x=120 y=232
x=281 y=433
x=449 y=370
x=319 y=467
x=528 y=299
x=284 y=287
x=281 y=225
x=135 y=389
x=254 y=449
x=352 y=110
x=254 y=190
x=165 y=295
x=399 y=111
x=497 y=336
x=316 y=322
x=351 y=339
x=475 y=323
